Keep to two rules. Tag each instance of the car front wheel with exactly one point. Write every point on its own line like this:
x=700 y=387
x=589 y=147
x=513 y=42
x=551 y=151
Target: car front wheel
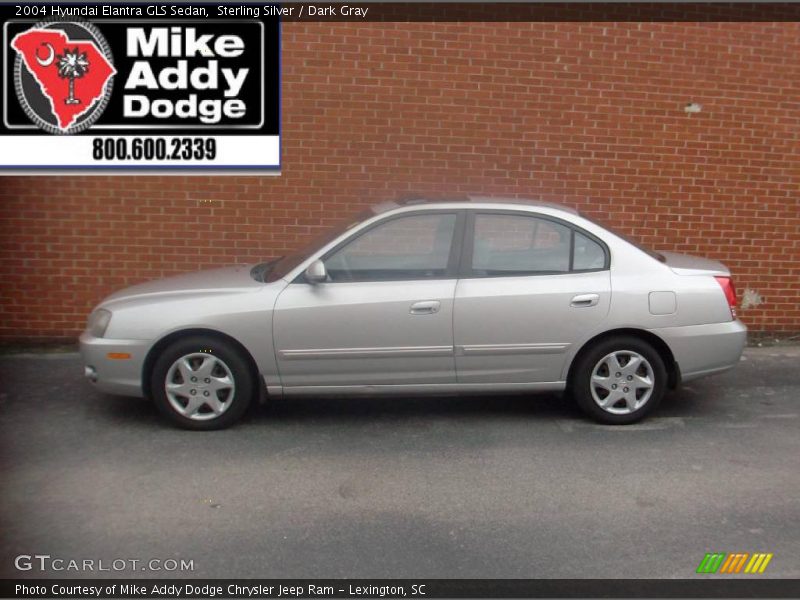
x=619 y=380
x=202 y=383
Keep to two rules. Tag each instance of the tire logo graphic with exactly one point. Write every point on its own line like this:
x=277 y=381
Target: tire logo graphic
x=63 y=75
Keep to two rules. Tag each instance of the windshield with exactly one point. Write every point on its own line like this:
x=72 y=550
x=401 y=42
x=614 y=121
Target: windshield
x=658 y=256
x=286 y=263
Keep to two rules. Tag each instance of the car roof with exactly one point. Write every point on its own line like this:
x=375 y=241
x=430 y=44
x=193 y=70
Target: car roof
x=431 y=203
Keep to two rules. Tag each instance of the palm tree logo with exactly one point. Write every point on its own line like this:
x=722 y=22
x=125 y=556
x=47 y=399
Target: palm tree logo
x=72 y=65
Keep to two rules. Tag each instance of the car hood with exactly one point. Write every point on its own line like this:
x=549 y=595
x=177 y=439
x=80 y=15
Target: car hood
x=213 y=281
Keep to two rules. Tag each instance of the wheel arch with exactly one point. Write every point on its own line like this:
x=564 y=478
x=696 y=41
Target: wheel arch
x=170 y=338
x=660 y=346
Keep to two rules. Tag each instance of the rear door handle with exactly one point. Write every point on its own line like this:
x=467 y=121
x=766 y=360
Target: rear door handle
x=425 y=307
x=584 y=300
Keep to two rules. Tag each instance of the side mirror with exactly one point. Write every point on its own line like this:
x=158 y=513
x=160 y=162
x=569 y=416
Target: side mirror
x=316 y=272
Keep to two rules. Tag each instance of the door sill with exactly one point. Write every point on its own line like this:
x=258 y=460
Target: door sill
x=415 y=389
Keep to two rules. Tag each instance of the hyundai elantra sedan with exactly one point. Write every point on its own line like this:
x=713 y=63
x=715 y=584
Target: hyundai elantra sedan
x=415 y=297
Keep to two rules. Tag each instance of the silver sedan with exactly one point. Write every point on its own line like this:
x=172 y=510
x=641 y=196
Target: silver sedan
x=475 y=295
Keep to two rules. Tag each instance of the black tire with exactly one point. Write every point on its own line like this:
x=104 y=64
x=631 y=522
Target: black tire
x=228 y=359
x=581 y=387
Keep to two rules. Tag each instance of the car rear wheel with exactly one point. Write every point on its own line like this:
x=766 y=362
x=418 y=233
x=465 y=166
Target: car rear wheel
x=202 y=383
x=619 y=380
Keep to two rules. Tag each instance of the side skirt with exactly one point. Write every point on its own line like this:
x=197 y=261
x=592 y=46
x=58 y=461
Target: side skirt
x=415 y=389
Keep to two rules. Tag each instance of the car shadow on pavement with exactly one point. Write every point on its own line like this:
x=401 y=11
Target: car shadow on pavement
x=404 y=407
x=120 y=410
x=682 y=402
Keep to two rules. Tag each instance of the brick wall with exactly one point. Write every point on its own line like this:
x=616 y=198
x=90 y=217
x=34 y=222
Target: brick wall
x=589 y=114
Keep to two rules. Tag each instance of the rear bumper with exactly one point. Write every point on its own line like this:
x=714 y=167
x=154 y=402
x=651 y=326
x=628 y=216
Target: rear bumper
x=121 y=375
x=703 y=350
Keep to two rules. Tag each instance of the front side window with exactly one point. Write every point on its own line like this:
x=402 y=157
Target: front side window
x=509 y=245
x=403 y=248
x=285 y=264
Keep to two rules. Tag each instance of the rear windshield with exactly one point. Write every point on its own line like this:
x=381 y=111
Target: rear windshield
x=657 y=255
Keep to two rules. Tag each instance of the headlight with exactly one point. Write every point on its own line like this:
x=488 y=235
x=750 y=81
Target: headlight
x=98 y=322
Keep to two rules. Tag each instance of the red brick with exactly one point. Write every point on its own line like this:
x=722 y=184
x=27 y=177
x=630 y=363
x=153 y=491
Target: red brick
x=588 y=114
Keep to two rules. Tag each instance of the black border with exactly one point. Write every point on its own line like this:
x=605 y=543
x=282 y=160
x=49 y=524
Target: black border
x=702 y=586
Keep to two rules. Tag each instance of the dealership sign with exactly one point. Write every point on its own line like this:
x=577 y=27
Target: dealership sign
x=147 y=94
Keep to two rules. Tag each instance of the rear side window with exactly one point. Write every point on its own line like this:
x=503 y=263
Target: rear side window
x=588 y=254
x=507 y=245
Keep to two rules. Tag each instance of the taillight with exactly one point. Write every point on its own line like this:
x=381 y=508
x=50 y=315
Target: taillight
x=726 y=283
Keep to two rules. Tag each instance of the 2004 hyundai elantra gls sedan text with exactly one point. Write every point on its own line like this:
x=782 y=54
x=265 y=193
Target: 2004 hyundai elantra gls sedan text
x=417 y=297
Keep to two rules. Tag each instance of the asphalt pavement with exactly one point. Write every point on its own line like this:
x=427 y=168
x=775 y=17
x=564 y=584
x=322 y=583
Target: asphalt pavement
x=498 y=487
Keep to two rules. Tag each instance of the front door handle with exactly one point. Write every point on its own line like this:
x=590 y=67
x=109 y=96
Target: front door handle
x=584 y=300
x=425 y=307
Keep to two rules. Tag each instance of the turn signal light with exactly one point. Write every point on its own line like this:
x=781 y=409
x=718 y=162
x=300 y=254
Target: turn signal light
x=118 y=355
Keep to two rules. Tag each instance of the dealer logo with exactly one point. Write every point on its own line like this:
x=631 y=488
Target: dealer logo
x=63 y=75
x=182 y=75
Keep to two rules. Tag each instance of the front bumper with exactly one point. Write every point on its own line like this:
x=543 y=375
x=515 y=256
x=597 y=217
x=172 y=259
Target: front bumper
x=703 y=350
x=114 y=366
